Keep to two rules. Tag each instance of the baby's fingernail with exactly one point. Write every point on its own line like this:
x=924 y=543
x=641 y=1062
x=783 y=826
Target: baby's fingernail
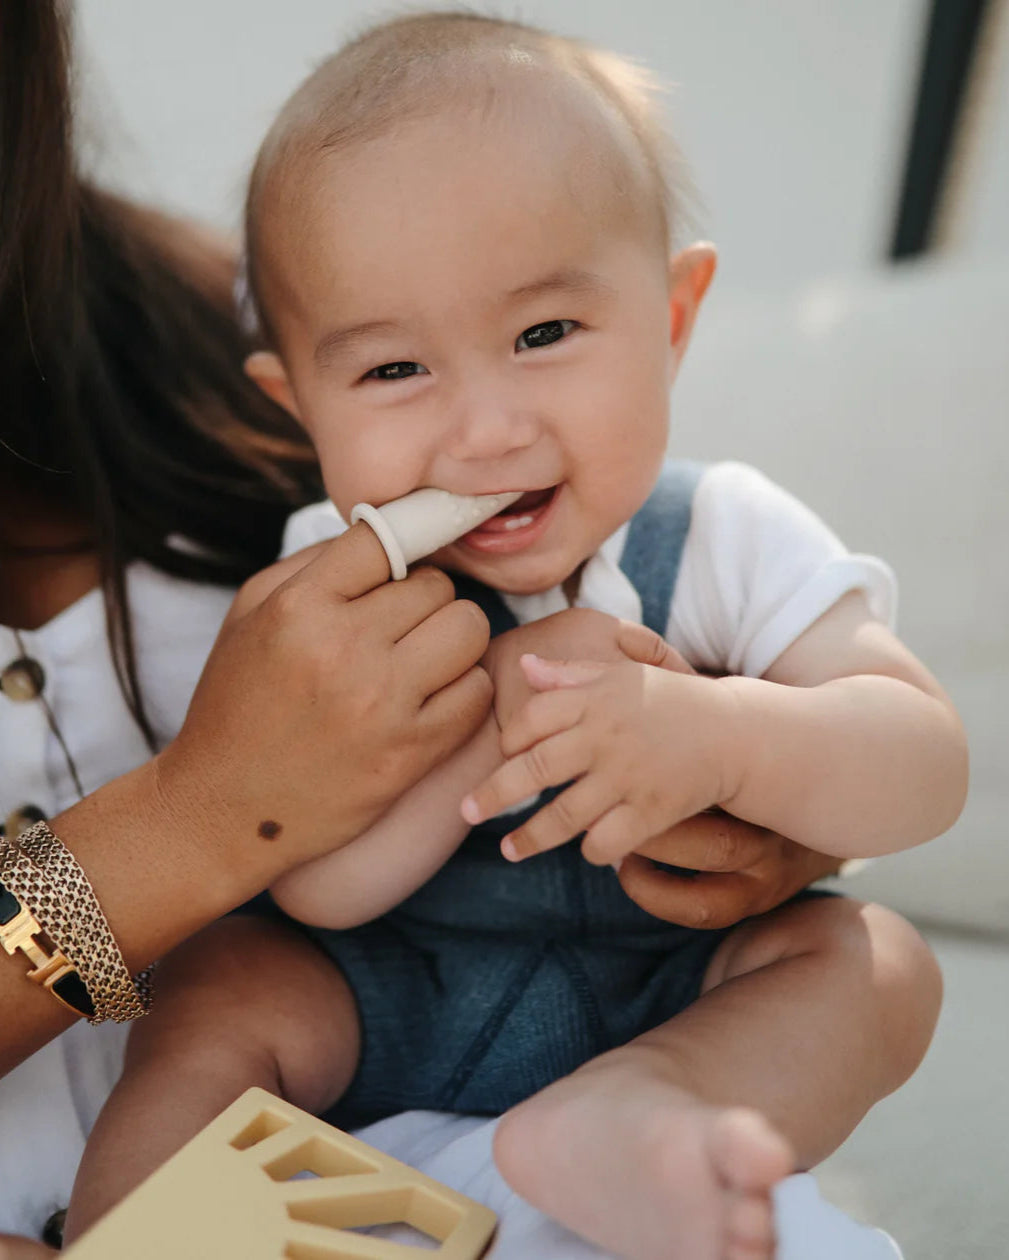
x=470 y=811
x=509 y=850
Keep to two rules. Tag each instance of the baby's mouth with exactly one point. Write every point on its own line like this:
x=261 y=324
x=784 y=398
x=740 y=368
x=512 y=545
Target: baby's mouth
x=520 y=514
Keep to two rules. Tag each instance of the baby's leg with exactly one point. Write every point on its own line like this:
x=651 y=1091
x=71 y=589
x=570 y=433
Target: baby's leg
x=671 y=1145
x=13 y=1247
x=245 y=1002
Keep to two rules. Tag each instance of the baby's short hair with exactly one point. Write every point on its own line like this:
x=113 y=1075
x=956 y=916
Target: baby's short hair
x=417 y=65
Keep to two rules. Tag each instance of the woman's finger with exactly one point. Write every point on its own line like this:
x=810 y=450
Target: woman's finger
x=549 y=763
x=565 y=817
x=702 y=901
x=396 y=608
x=350 y=565
x=450 y=715
x=447 y=642
x=712 y=841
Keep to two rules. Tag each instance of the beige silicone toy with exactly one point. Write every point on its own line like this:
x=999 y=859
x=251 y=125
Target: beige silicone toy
x=234 y=1193
x=419 y=523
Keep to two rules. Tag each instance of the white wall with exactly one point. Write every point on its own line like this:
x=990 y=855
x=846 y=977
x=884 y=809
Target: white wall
x=792 y=114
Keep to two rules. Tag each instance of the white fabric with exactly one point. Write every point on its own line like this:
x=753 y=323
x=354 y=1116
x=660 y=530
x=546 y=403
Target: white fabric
x=53 y=1098
x=174 y=624
x=56 y=1095
x=758 y=569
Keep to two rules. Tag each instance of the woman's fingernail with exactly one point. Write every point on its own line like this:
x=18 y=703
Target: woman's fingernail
x=470 y=811
x=509 y=850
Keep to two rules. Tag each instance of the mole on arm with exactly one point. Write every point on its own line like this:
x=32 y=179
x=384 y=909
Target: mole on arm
x=269 y=829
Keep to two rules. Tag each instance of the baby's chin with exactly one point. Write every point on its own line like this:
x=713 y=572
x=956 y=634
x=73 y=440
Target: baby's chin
x=511 y=575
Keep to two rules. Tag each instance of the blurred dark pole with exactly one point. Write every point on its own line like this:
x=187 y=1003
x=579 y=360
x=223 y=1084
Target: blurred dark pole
x=953 y=30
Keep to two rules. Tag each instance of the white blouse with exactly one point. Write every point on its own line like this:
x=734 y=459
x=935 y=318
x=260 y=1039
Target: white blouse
x=175 y=623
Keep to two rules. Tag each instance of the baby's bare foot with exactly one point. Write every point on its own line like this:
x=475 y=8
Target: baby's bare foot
x=637 y=1165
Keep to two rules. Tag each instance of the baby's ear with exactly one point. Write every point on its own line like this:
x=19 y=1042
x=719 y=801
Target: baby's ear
x=690 y=273
x=269 y=373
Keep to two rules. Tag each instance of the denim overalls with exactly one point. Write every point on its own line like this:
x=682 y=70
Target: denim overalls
x=495 y=979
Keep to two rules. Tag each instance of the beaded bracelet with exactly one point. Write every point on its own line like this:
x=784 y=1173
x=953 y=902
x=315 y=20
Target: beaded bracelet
x=46 y=899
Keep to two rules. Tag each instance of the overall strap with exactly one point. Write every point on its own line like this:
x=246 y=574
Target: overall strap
x=654 y=546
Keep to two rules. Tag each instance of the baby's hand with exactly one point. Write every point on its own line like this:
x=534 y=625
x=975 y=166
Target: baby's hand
x=646 y=747
x=575 y=634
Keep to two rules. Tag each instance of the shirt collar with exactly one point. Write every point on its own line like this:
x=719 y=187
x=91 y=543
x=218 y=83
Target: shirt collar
x=604 y=586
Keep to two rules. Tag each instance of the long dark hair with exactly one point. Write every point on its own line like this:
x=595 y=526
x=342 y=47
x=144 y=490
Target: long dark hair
x=121 y=384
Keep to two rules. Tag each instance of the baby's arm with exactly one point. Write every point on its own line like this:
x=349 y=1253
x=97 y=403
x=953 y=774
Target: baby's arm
x=400 y=852
x=423 y=829
x=847 y=742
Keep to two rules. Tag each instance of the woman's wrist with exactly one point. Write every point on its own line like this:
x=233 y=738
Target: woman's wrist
x=161 y=865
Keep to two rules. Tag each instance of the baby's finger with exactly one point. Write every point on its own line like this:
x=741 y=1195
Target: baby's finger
x=545 y=675
x=614 y=835
x=541 y=716
x=647 y=648
x=565 y=817
x=547 y=764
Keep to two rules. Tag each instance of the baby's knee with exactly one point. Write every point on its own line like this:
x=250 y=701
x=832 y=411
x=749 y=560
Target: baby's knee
x=878 y=942
x=866 y=939
x=871 y=958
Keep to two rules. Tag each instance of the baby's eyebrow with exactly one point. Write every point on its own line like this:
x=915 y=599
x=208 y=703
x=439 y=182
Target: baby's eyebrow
x=575 y=281
x=343 y=338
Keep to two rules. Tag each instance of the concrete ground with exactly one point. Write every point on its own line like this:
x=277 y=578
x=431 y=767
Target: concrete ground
x=931 y=1163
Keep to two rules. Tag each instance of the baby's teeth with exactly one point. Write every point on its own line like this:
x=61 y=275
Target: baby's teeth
x=518 y=522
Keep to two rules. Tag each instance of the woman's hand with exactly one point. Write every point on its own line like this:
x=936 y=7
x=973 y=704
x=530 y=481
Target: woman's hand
x=731 y=870
x=329 y=692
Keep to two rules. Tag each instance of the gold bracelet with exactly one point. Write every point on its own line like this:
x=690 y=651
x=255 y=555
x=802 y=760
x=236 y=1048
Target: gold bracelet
x=44 y=875
x=20 y=930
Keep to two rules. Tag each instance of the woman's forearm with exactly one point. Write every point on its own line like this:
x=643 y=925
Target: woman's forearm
x=857 y=766
x=163 y=863
x=160 y=869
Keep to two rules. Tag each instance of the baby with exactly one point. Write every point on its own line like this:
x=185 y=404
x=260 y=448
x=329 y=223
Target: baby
x=459 y=248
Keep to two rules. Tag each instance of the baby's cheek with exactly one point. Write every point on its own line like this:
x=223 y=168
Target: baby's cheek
x=353 y=475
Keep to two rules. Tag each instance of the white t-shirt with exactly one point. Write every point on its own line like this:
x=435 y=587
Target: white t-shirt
x=758 y=568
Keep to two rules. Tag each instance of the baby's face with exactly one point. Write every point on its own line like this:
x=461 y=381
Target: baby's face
x=461 y=313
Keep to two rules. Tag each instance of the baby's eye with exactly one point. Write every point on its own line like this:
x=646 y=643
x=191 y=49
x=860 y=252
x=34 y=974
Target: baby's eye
x=545 y=334
x=395 y=371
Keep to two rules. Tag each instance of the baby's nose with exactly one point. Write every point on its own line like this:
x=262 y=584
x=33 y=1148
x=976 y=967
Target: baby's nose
x=489 y=429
